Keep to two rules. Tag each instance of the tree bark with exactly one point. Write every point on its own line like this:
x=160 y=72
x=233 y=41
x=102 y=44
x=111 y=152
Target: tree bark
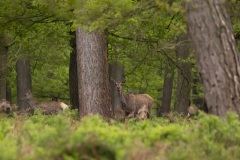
x=183 y=89
x=93 y=76
x=73 y=77
x=3 y=71
x=24 y=83
x=117 y=72
x=167 y=90
x=211 y=33
x=9 y=93
x=197 y=93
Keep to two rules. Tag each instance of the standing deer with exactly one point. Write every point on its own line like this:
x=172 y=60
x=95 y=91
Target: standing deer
x=47 y=108
x=134 y=104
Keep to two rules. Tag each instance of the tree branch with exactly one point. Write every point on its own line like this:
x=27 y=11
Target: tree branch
x=135 y=39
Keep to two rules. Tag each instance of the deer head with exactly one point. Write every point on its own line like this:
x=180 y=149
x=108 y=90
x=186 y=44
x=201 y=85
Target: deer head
x=5 y=106
x=28 y=95
x=55 y=98
x=118 y=84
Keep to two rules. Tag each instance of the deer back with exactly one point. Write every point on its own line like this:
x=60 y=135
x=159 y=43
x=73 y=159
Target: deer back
x=143 y=99
x=136 y=101
x=49 y=107
x=139 y=105
x=53 y=104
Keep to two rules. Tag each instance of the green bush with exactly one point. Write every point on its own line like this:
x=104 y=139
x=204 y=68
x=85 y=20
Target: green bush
x=62 y=136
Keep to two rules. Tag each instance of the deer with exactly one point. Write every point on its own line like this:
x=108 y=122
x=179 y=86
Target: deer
x=133 y=104
x=5 y=106
x=192 y=110
x=47 y=108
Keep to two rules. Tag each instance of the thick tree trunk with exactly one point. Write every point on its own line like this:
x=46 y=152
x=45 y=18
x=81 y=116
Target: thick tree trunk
x=117 y=72
x=184 y=75
x=73 y=76
x=167 y=90
x=93 y=76
x=23 y=81
x=3 y=71
x=211 y=33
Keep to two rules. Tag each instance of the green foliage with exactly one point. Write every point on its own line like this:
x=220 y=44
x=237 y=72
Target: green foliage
x=63 y=137
x=40 y=29
x=101 y=14
x=42 y=34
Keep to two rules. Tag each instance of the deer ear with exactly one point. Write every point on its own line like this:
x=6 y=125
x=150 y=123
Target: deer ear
x=124 y=80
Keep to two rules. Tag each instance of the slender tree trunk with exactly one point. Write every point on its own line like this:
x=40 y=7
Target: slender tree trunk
x=3 y=71
x=73 y=76
x=211 y=33
x=24 y=83
x=184 y=75
x=93 y=76
x=9 y=94
x=167 y=90
x=117 y=72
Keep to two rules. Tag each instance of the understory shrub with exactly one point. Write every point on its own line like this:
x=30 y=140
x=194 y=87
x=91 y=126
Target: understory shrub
x=64 y=137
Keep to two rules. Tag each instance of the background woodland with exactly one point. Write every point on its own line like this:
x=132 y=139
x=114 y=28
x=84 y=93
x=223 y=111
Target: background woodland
x=146 y=43
x=179 y=54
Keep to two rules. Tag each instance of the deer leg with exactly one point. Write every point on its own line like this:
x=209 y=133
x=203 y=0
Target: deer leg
x=131 y=115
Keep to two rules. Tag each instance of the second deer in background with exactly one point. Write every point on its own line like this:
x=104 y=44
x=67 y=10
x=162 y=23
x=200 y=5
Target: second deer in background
x=46 y=108
x=5 y=106
x=138 y=105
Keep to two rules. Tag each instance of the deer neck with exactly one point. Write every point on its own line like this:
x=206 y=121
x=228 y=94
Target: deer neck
x=123 y=101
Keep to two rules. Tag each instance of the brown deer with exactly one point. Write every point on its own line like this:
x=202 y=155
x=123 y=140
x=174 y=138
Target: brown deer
x=134 y=104
x=5 y=106
x=192 y=111
x=47 y=108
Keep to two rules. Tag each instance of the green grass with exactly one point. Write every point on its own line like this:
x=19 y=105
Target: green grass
x=62 y=136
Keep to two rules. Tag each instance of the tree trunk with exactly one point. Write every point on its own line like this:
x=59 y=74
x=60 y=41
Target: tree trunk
x=167 y=90
x=197 y=94
x=9 y=93
x=184 y=75
x=24 y=83
x=93 y=76
x=3 y=71
x=211 y=33
x=117 y=72
x=73 y=78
